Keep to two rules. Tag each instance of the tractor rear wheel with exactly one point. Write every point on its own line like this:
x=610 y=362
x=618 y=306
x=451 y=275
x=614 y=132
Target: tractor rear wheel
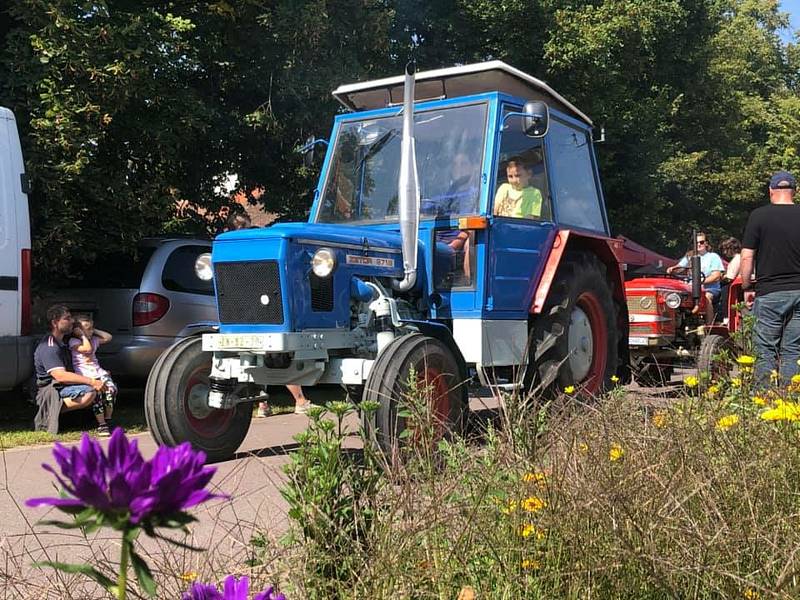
x=574 y=340
x=437 y=380
x=176 y=404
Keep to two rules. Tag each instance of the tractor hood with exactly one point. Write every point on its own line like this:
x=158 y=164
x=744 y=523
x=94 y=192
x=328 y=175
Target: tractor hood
x=335 y=234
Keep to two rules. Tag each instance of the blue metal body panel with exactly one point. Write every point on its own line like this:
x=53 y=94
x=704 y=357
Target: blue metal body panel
x=509 y=255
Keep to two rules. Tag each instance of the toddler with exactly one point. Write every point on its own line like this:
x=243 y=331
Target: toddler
x=517 y=198
x=83 y=346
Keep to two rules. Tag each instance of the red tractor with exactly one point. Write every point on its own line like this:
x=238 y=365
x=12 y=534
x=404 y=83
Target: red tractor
x=667 y=323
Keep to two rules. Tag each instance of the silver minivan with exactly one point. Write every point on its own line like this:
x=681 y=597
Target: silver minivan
x=145 y=301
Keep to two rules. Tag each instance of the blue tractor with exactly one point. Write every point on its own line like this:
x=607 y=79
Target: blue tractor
x=458 y=235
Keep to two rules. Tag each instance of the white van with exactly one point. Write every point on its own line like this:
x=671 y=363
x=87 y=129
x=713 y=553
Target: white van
x=16 y=343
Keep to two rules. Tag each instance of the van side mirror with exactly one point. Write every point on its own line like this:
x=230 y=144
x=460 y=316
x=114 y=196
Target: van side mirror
x=536 y=119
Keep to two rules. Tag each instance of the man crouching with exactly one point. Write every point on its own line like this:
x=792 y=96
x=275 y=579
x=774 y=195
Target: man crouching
x=59 y=389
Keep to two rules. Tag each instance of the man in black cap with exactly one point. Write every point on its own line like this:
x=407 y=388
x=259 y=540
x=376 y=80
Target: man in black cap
x=772 y=240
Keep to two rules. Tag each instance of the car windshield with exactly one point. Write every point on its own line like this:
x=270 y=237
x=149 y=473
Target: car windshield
x=361 y=185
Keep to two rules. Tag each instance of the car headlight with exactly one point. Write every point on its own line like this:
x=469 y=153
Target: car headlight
x=673 y=300
x=323 y=262
x=202 y=267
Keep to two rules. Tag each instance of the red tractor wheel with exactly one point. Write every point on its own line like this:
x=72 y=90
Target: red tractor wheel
x=177 y=409
x=574 y=342
x=437 y=379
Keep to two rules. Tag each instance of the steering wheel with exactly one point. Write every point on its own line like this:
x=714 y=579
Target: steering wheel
x=685 y=273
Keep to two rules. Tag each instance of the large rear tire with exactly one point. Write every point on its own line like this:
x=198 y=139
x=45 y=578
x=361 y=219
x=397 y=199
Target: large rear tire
x=574 y=342
x=176 y=404
x=438 y=377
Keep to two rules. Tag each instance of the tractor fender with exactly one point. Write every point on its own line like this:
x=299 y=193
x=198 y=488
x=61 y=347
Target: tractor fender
x=444 y=335
x=609 y=252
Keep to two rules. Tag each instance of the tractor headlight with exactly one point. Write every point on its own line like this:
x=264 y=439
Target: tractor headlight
x=323 y=262
x=202 y=267
x=673 y=300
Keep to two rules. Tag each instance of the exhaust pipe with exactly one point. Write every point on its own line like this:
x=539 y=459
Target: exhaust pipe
x=408 y=189
x=694 y=264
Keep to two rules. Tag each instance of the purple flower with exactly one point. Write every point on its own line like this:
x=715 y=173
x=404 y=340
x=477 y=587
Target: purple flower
x=123 y=485
x=233 y=589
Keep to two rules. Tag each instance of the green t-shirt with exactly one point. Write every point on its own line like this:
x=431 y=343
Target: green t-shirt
x=526 y=202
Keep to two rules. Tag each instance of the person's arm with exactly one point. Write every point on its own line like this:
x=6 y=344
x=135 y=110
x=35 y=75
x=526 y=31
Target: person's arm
x=103 y=336
x=732 y=272
x=681 y=264
x=61 y=375
x=499 y=199
x=80 y=342
x=746 y=267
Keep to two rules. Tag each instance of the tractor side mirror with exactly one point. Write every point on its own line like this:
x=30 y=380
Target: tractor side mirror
x=536 y=119
x=307 y=150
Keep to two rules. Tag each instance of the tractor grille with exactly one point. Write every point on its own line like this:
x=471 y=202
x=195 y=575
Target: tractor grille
x=635 y=306
x=321 y=293
x=249 y=292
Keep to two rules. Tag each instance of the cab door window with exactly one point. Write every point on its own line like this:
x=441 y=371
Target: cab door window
x=521 y=190
x=574 y=183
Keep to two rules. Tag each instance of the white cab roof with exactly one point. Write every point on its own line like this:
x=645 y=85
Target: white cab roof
x=466 y=80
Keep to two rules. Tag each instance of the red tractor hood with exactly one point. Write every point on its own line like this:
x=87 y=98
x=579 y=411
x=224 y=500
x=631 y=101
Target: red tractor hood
x=661 y=283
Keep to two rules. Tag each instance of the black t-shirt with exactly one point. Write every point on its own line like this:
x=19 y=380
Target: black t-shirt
x=773 y=232
x=51 y=353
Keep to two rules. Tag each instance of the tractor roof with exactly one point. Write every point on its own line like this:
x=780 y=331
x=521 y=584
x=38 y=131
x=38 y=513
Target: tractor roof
x=466 y=80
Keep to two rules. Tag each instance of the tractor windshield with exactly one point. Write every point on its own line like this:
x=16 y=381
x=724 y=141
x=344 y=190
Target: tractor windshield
x=361 y=185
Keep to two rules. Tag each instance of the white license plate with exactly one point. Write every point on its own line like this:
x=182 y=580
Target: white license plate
x=236 y=340
x=637 y=341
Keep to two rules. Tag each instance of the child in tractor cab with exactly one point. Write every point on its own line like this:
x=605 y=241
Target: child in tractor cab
x=517 y=197
x=712 y=269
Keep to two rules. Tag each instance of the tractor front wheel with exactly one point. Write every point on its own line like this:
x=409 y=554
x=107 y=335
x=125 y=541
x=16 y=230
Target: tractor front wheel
x=176 y=404
x=710 y=357
x=411 y=369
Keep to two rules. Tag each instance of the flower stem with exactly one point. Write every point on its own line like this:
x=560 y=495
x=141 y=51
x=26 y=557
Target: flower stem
x=122 y=581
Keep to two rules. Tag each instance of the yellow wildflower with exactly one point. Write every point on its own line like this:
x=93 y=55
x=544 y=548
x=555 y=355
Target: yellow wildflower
x=537 y=477
x=584 y=448
x=746 y=360
x=751 y=594
x=616 y=452
x=690 y=381
x=726 y=422
x=758 y=400
x=614 y=379
x=736 y=382
x=533 y=504
x=527 y=530
x=509 y=508
x=531 y=564
x=570 y=389
x=659 y=419
x=796 y=379
x=713 y=390
x=190 y=576
x=783 y=411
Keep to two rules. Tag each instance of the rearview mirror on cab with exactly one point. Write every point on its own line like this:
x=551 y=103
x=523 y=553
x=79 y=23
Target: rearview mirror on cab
x=536 y=119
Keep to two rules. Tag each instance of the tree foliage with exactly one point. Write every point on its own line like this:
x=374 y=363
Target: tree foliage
x=133 y=114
